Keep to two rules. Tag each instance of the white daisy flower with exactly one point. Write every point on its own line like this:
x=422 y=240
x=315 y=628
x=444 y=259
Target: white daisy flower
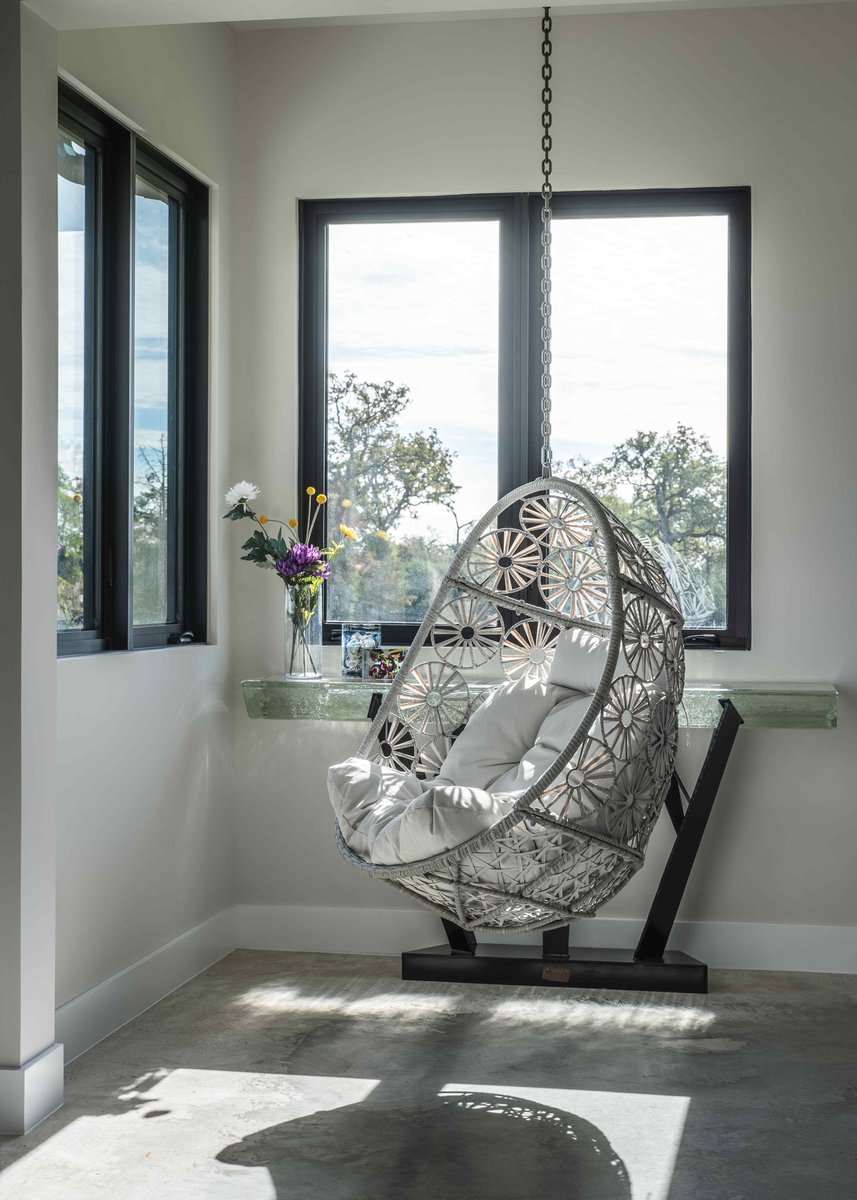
x=242 y=493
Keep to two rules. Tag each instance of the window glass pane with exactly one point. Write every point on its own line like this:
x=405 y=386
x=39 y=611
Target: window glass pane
x=639 y=386
x=154 y=400
x=412 y=405
x=74 y=174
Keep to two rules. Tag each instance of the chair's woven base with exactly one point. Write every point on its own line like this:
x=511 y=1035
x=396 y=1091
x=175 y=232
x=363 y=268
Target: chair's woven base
x=528 y=878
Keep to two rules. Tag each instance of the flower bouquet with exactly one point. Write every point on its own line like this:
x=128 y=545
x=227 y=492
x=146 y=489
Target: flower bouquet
x=302 y=566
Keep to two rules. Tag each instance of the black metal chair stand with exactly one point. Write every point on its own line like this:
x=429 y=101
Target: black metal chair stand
x=650 y=967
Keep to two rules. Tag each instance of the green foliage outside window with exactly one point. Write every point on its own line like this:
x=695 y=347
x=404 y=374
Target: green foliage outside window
x=69 y=551
x=387 y=475
x=151 y=516
x=670 y=488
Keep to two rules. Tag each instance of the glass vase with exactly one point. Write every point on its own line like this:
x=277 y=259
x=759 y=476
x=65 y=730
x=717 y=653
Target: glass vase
x=303 y=633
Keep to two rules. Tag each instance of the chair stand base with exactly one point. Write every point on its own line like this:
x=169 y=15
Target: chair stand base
x=525 y=966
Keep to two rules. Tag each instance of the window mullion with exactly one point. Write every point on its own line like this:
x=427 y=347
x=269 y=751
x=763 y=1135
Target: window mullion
x=533 y=321
x=118 y=388
x=313 y=359
x=738 y=477
x=93 y=383
x=513 y=464
x=193 y=505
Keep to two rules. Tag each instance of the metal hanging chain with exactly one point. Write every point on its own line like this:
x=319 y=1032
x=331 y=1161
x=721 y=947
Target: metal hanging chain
x=547 y=195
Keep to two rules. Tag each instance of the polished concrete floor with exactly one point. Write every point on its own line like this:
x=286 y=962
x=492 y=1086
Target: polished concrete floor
x=276 y=1076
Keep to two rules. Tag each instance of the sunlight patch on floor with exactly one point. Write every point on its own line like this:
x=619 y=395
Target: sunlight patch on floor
x=163 y=1136
x=611 y=1016
x=566 y=1011
x=400 y=1005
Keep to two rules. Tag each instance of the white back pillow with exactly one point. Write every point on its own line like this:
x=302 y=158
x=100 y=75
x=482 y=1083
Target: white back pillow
x=499 y=733
x=579 y=660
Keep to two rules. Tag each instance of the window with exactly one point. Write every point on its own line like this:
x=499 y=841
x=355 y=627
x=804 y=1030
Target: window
x=650 y=317
x=420 y=383
x=133 y=351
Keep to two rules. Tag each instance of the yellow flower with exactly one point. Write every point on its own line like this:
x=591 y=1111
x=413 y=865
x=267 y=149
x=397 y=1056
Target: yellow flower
x=346 y=503
x=263 y=520
x=310 y=491
x=77 y=498
x=347 y=531
x=293 y=523
x=321 y=498
x=383 y=535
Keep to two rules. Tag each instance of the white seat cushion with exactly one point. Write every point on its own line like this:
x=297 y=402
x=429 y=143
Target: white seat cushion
x=389 y=816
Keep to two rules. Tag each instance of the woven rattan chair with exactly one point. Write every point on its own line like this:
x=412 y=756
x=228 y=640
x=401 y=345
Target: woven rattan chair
x=547 y=559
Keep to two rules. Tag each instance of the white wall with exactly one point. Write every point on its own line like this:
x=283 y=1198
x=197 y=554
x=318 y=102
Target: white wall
x=144 y=810
x=27 y=521
x=765 y=97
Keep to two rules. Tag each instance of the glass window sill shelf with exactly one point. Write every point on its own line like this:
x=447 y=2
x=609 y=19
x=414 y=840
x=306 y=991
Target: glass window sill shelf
x=762 y=705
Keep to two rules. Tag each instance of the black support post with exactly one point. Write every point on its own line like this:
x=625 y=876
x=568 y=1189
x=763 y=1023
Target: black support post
x=555 y=943
x=662 y=914
x=461 y=941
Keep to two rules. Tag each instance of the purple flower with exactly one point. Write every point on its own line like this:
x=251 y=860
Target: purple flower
x=305 y=555
x=302 y=560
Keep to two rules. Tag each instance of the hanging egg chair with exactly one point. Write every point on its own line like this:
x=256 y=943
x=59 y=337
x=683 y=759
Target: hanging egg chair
x=524 y=804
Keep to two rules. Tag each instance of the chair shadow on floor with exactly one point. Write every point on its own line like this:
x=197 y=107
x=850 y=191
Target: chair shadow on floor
x=478 y=1145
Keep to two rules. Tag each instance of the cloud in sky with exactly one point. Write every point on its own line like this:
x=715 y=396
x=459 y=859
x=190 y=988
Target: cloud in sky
x=151 y=324
x=639 y=333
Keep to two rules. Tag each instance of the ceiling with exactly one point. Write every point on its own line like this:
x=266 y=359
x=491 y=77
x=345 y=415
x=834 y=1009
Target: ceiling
x=261 y=14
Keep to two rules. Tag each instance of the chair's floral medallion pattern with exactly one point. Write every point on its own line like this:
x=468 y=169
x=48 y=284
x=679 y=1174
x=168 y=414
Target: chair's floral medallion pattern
x=674 y=651
x=585 y=785
x=434 y=698
x=395 y=747
x=558 y=522
x=505 y=561
x=467 y=632
x=643 y=639
x=574 y=583
x=625 y=716
x=662 y=739
x=631 y=800
x=528 y=650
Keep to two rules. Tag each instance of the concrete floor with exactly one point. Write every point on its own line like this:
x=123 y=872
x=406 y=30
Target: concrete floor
x=296 y=1075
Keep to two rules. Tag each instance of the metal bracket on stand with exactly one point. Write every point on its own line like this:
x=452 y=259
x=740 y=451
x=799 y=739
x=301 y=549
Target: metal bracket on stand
x=650 y=967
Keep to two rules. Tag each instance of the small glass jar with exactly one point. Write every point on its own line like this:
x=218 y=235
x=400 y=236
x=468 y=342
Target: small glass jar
x=359 y=639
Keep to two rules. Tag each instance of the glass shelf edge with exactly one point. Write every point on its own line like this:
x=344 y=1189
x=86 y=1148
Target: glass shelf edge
x=763 y=706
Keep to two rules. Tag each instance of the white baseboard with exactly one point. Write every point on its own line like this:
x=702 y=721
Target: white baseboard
x=101 y=1010
x=105 y=1007
x=732 y=944
x=31 y=1092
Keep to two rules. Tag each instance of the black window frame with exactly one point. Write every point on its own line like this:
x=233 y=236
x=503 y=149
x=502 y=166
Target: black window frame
x=519 y=441
x=121 y=155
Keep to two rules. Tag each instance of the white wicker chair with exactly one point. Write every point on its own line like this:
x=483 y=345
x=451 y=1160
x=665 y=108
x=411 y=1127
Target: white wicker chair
x=545 y=558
